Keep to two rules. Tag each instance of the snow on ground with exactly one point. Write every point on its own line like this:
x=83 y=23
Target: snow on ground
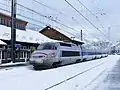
x=89 y=80
x=73 y=77
x=12 y=64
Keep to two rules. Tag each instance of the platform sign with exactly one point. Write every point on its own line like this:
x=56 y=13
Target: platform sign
x=17 y=45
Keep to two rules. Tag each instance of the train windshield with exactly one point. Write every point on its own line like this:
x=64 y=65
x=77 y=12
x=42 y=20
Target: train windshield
x=47 y=46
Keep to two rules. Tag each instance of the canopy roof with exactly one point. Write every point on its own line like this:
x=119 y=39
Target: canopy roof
x=59 y=35
x=2 y=43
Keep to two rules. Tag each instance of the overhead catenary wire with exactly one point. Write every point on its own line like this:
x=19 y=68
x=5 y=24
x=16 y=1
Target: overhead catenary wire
x=85 y=28
x=24 y=16
x=91 y=13
x=53 y=9
x=86 y=19
x=51 y=19
x=44 y=16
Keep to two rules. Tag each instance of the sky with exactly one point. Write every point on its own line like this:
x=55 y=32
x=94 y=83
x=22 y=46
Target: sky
x=107 y=12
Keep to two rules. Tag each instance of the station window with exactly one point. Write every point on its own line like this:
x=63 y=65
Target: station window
x=0 y=20
x=17 y=25
x=6 y=22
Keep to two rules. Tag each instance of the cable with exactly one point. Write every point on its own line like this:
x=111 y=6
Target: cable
x=86 y=19
x=90 y=12
x=47 y=6
x=84 y=28
x=41 y=16
x=24 y=17
x=47 y=17
x=55 y=10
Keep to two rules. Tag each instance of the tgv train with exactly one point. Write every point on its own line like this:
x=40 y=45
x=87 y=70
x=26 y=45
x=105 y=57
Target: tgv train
x=53 y=54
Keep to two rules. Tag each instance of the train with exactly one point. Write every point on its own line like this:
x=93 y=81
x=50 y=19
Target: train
x=52 y=54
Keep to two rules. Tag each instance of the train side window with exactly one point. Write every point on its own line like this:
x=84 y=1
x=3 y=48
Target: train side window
x=70 y=53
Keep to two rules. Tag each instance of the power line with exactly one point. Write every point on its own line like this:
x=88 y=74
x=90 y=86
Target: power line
x=40 y=15
x=86 y=8
x=86 y=18
x=45 y=17
x=51 y=19
x=23 y=17
x=90 y=12
x=48 y=7
x=53 y=10
x=84 y=28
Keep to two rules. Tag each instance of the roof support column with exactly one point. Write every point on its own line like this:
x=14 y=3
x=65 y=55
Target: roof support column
x=13 y=30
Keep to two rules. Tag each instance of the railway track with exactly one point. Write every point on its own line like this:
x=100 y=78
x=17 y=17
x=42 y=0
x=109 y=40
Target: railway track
x=70 y=78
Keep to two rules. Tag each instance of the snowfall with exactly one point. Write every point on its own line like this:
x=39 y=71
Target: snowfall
x=88 y=75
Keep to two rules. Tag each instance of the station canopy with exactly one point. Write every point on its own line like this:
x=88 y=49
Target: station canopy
x=56 y=34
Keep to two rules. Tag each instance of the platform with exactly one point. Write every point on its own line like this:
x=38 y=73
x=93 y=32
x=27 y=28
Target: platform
x=112 y=80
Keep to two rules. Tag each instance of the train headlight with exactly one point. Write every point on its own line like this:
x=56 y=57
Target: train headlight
x=51 y=55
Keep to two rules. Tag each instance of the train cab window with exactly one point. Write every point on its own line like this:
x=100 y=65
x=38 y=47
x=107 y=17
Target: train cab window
x=65 y=44
x=47 y=46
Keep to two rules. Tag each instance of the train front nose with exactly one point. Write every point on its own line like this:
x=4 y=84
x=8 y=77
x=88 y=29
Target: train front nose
x=37 y=58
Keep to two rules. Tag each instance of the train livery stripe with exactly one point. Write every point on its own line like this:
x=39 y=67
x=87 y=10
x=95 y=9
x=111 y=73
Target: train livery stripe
x=91 y=53
x=40 y=53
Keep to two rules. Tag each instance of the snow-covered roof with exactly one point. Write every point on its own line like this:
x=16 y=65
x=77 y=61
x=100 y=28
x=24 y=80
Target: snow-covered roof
x=29 y=36
x=58 y=34
x=2 y=43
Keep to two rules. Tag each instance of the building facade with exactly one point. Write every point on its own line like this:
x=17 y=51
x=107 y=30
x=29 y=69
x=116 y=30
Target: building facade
x=26 y=40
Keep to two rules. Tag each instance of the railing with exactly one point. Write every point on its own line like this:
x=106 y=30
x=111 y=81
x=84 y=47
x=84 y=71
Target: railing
x=21 y=55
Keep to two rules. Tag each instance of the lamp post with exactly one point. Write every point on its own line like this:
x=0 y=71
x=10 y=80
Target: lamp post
x=13 y=29
x=109 y=28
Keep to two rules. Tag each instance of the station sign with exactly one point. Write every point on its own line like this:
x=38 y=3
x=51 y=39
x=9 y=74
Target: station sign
x=17 y=45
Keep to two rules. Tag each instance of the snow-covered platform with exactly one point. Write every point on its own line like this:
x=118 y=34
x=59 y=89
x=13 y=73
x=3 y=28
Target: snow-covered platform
x=6 y=65
x=91 y=75
x=112 y=79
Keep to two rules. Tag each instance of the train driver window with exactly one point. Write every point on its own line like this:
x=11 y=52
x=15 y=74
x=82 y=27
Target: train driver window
x=47 y=46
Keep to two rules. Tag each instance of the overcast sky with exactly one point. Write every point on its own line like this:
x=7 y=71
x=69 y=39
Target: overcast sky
x=107 y=12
